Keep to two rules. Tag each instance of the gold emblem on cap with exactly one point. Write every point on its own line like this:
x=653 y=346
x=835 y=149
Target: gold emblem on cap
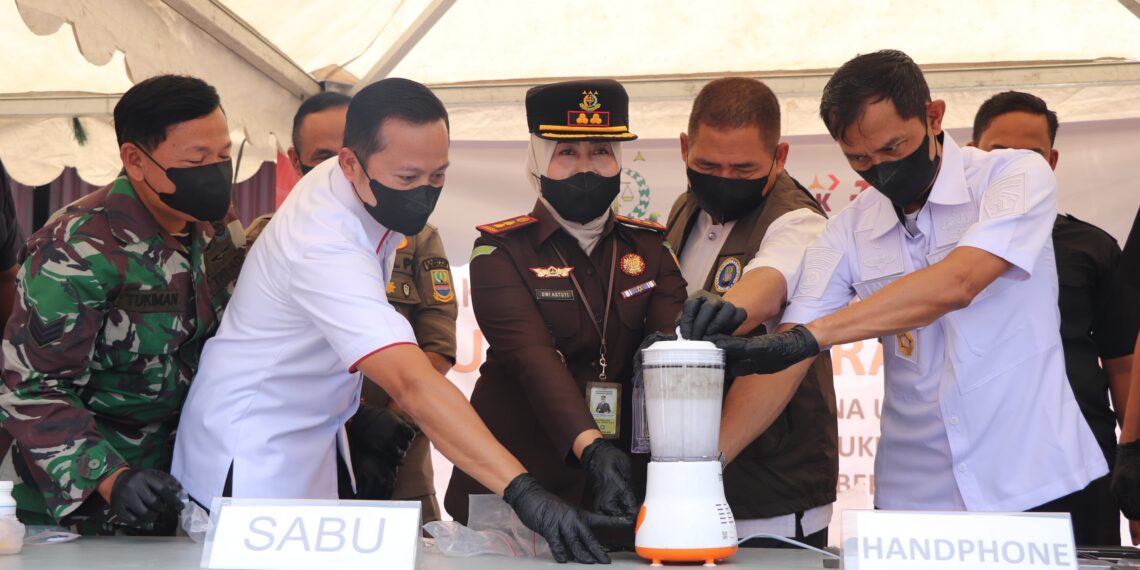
x=589 y=101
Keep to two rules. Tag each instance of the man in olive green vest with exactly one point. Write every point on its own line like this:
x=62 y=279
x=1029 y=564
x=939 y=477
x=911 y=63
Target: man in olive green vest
x=741 y=231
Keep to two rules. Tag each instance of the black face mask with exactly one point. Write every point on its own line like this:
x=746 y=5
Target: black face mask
x=202 y=192
x=727 y=199
x=582 y=197
x=305 y=169
x=403 y=211
x=906 y=180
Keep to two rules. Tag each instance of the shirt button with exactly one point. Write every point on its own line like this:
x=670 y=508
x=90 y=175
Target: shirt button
x=590 y=271
x=953 y=420
x=961 y=467
x=712 y=235
x=93 y=464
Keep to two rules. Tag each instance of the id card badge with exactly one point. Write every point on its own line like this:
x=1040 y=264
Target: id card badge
x=604 y=399
x=639 y=443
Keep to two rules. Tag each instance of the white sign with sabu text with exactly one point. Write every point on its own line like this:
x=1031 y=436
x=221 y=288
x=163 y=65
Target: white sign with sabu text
x=288 y=534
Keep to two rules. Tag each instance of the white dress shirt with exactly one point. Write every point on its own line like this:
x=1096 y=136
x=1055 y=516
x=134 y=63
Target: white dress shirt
x=279 y=379
x=978 y=413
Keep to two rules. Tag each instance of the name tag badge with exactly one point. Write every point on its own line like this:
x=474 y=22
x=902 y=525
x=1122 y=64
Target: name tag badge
x=554 y=294
x=295 y=534
x=152 y=301
x=604 y=399
x=896 y=540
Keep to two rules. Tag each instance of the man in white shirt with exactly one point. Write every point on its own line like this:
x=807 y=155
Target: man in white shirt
x=281 y=377
x=741 y=230
x=953 y=264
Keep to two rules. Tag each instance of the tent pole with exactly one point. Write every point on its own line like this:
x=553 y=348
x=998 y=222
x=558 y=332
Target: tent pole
x=407 y=40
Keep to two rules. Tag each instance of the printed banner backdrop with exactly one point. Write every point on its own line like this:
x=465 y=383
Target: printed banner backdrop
x=1098 y=180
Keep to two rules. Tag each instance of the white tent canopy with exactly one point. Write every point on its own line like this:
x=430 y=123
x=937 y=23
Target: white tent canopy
x=71 y=58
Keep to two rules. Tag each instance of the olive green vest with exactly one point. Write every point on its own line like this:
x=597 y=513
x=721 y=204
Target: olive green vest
x=794 y=465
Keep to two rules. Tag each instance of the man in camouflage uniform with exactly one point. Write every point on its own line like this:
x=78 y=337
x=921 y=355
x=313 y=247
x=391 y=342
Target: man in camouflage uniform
x=115 y=298
x=421 y=290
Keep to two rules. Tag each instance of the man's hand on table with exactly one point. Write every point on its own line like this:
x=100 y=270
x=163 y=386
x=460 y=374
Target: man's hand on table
x=141 y=497
x=378 y=438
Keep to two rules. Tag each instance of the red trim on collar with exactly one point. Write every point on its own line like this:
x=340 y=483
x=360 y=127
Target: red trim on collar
x=382 y=238
x=352 y=369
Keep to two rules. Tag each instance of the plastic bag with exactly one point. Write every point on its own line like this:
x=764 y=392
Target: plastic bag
x=37 y=535
x=493 y=528
x=11 y=535
x=194 y=520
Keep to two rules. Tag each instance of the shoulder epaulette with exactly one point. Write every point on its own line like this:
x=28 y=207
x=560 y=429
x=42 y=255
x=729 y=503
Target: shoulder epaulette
x=509 y=224
x=638 y=223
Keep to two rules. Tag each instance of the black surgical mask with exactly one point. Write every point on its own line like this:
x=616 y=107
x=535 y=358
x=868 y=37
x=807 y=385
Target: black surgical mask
x=202 y=192
x=582 y=197
x=727 y=199
x=403 y=211
x=305 y=169
x=907 y=179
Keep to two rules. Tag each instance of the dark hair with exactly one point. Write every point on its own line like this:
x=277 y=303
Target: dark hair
x=889 y=75
x=1010 y=102
x=145 y=112
x=316 y=104
x=734 y=102
x=388 y=98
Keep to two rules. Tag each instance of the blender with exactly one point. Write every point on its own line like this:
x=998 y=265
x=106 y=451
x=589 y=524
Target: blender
x=685 y=517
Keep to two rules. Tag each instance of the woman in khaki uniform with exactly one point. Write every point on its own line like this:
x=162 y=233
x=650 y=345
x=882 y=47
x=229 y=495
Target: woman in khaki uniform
x=565 y=296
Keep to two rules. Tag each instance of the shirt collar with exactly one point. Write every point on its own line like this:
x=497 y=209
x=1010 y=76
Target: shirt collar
x=130 y=221
x=547 y=225
x=341 y=188
x=949 y=189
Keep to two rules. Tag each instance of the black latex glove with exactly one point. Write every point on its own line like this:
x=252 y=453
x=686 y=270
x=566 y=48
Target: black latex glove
x=565 y=528
x=611 y=477
x=765 y=354
x=1126 y=479
x=378 y=438
x=140 y=497
x=705 y=314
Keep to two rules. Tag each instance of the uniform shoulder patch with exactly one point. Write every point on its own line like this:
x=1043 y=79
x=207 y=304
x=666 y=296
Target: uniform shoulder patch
x=509 y=224
x=44 y=332
x=638 y=223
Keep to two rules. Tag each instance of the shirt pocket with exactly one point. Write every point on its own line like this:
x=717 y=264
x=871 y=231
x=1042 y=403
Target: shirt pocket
x=985 y=339
x=402 y=289
x=866 y=288
x=560 y=311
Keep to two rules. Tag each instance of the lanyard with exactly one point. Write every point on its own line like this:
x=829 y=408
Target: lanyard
x=609 y=302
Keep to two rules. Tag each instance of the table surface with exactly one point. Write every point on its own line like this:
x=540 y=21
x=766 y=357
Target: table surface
x=122 y=553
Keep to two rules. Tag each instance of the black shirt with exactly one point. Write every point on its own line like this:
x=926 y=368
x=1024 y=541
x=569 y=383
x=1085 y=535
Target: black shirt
x=1130 y=261
x=1099 y=319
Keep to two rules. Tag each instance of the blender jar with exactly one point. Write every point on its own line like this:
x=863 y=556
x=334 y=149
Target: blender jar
x=684 y=387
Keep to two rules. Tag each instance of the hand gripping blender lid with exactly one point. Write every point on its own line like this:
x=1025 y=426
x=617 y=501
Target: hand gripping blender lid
x=684 y=384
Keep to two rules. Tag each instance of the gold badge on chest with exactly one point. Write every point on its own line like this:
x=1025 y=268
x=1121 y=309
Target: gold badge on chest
x=632 y=264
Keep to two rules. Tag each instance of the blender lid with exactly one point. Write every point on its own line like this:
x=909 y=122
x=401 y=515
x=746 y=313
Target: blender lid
x=682 y=351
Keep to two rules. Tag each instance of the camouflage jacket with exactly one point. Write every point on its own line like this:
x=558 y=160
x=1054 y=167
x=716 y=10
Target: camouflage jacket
x=110 y=317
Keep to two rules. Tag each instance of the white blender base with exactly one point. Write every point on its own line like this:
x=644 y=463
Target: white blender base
x=685 y=517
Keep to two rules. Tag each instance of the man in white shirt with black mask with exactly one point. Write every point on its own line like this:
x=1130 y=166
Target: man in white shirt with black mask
x=281 y=377
x=952 y=259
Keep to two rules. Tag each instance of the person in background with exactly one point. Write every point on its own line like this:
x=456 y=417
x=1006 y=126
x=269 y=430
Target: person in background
x=115 y=299
x=1126 y=473
x=11 y=241
x=565 y=295
x=1098 y=319
x=309 y=320
x=741 y=231
x=422 y=291
x=951 y=256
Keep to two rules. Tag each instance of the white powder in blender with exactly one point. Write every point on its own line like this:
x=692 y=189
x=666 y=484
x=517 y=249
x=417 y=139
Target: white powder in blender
x=683 y=405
